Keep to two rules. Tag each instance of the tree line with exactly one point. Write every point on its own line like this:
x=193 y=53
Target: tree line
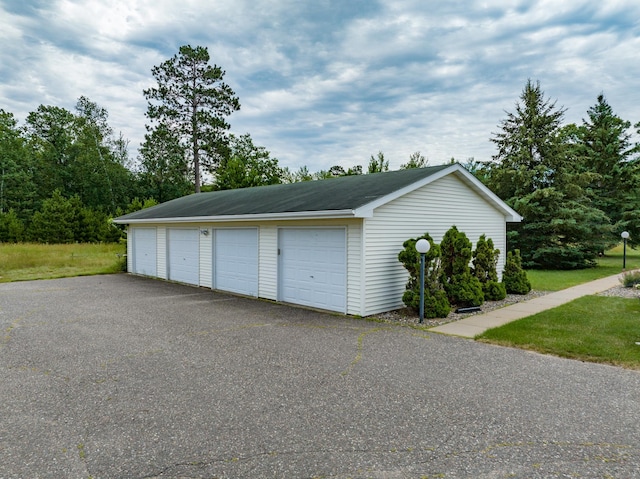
x=64 y=174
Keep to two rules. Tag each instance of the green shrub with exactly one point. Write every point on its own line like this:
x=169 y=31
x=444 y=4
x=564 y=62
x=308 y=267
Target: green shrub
x=462 y=288
x=514 y=277
x=630 y=279
x=494 y=291
x=436 y=304
x=485 y=262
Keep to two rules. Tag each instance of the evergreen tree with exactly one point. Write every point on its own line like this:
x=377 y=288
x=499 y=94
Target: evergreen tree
x=164 y=169
x=529 y=146
x=604 y=147
x=11 y=228
x=57 y=221
x=192 y=101
x=537 y=173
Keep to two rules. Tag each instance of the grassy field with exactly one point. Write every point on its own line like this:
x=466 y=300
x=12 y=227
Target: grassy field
x=610 y=264
x=593 y=328
x=25 y=261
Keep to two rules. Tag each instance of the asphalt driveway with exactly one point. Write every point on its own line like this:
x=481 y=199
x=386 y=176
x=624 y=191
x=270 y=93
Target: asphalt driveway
x=126 y=377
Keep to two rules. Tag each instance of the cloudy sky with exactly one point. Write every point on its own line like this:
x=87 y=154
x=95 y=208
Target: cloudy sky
x=331 y=82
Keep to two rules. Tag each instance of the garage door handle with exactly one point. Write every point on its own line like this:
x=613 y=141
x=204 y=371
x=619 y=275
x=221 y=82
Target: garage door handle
x=311 y=277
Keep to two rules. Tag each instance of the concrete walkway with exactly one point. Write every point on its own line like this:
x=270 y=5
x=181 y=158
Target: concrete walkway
x=473 y=325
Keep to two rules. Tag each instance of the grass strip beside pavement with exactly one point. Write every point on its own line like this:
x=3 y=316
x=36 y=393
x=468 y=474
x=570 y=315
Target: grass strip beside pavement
x=29 y=261
x=593 y=328
x=608 y=265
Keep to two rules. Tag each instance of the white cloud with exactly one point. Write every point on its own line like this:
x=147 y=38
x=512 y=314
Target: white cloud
x=331 y=82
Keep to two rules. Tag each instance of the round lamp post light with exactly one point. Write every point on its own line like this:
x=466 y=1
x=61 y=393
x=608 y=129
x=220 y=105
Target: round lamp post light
x=625 y=236
x=422 y=247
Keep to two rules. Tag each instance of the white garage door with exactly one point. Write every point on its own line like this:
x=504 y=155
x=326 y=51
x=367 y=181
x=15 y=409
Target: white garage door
x=312 y=267
x=183 y=255
x=144 y=251
x=235 y=260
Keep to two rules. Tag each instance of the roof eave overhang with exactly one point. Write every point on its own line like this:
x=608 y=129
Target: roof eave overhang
x=510 y=215
x=291 y=215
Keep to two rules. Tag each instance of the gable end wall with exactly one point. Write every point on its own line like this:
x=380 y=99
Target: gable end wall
x=431 y=209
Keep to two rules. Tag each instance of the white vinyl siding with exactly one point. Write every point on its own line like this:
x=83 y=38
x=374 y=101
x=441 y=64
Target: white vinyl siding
x=354 y=269
x=130 y=249
x=431 y=209
x=162 y=253
x=206 y=259
x=268 y=263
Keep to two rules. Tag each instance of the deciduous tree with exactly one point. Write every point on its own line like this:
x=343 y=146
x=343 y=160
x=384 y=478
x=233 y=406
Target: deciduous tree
x=77 y=154
x=247 y=165
x=416 y=160
x=16 y=169
x=378 y=164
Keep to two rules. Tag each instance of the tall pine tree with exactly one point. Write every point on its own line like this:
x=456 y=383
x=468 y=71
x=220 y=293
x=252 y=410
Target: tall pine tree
x=192 y=102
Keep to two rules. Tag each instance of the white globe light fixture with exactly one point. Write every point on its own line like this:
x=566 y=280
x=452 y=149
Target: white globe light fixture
x=422 y=247
x=625 y=237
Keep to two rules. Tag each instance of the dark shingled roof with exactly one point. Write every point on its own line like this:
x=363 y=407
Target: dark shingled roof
x=334 y=194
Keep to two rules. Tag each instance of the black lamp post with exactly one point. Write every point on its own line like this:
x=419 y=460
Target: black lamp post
x=422 y=247
x=625 y=236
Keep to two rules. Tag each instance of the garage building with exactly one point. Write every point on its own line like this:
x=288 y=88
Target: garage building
x=330 y=244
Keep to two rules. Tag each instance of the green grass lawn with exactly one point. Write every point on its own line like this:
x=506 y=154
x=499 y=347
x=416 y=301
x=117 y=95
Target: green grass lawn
x=593 y=328
x=609 y=264
x=27 y=261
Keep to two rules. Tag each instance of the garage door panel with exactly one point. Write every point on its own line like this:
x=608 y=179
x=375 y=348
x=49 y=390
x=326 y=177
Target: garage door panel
x=236 y=260
x=313 y=267
x=144 y=251
x=184 y=255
